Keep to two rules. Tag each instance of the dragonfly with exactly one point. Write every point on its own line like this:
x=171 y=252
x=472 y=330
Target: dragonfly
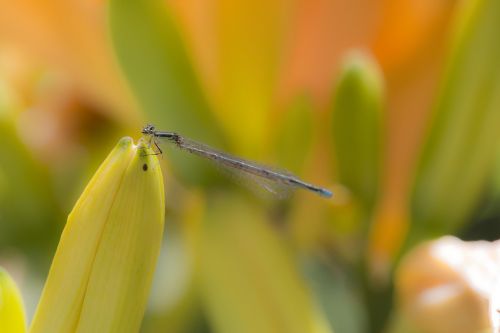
x=268 y=175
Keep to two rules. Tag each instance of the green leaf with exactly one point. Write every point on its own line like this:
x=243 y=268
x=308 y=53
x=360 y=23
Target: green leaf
x=24 y=182
x=12 y=317
x=155 y=62
x=249 y=281
x=337 y=294
x=460 y=150
x=356 y=117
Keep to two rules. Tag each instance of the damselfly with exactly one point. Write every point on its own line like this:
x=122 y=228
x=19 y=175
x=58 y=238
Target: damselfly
x=284 y=179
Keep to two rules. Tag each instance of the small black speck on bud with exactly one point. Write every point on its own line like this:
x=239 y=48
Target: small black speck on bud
x=145 y=167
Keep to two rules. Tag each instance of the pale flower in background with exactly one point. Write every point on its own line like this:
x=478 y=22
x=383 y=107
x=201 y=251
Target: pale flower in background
x=449 y=285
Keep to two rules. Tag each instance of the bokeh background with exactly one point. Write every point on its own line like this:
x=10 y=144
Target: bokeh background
x=394 y=105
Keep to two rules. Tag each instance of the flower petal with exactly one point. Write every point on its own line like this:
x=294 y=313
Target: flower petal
x=101 y=274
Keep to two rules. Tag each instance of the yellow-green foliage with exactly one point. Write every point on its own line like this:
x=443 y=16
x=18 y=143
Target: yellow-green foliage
x=242 y=259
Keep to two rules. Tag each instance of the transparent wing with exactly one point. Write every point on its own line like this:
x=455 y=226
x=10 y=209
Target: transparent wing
x=261 y=187
x=280 y=183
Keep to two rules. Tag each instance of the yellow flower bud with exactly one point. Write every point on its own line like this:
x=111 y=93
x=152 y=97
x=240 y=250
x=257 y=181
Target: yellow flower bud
x=101 y=274
x=12 y=318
